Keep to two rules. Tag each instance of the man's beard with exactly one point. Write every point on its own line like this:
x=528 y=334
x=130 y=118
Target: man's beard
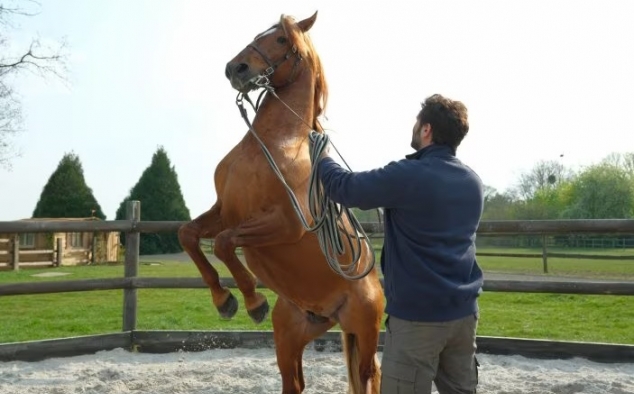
x=416 y=143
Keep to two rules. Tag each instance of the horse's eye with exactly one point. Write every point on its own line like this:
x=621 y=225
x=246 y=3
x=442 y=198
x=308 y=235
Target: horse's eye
x=281 y=40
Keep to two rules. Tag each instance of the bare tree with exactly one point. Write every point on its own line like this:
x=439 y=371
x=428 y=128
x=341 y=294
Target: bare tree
x=621 y=160
x=489 y=192
x=628 y=163
x=37 y=59
x=544 y=174
x=614 y=159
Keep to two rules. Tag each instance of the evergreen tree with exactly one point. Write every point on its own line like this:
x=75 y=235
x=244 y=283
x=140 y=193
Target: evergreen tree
x=66 y=194
x=160 y=195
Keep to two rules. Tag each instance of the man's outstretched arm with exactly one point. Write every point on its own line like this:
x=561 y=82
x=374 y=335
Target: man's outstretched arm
x=383 y=187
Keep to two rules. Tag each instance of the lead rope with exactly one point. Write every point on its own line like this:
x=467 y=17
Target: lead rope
x=324 y=211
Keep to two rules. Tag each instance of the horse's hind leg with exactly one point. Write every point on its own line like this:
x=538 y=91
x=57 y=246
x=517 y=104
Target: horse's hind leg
x=207 y=225
x=292 y=331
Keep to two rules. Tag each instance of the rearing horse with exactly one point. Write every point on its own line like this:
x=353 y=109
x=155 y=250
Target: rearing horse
x=253 y=211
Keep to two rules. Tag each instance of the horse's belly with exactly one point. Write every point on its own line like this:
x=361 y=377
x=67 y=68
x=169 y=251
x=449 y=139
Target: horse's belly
x=299 y=273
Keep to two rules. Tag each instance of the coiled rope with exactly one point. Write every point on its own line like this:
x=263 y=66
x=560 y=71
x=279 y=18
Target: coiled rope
x=326 y=214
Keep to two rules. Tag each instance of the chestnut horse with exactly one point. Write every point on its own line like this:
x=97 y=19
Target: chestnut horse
x=253 y=211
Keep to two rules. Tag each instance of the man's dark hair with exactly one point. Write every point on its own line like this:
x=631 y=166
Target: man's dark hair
x=448 y=119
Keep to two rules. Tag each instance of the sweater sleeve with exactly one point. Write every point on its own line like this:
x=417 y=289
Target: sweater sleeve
x=384 y=187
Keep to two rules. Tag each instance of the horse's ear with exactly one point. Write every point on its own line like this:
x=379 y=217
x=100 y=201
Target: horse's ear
x=307 y=23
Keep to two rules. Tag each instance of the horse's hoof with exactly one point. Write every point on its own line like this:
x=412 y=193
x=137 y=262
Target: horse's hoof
x=229 y=308
x=260 y=313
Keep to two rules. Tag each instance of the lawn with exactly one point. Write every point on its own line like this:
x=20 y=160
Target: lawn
x=558 y=266
x=543 y=316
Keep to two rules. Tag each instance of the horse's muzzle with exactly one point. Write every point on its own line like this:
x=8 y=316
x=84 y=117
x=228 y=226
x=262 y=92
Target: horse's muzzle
x=240 y=76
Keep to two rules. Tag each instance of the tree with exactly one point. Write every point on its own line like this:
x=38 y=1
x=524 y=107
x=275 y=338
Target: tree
x=547 y=203
x=499 y=206
x=37 y=60
x=66 y=194
x=160 y=195
x=602 y=191
x=622 y=160
x=489 y=192
x=628 y=163
x=544 y=175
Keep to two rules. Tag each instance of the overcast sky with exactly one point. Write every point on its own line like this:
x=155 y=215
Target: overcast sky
x=539 y=78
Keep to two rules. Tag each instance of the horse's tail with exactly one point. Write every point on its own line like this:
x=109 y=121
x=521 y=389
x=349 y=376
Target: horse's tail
x=351 y=353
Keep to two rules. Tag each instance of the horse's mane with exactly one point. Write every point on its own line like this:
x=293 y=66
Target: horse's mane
x=307 y=50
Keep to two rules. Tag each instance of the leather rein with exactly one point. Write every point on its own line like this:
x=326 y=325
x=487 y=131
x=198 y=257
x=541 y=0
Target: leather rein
x=326 y=213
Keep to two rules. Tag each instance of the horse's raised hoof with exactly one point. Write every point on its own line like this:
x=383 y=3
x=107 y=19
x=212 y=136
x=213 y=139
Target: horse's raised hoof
x=229 y=308
x=259 y=313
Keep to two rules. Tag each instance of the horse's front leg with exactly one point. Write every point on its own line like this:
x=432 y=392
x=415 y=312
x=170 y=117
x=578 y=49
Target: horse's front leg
x=208 y=225
x=270 y=228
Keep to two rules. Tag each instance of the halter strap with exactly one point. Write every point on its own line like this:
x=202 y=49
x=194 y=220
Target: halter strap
x=273 y=66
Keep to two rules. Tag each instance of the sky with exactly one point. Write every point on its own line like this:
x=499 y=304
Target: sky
x=539 y=78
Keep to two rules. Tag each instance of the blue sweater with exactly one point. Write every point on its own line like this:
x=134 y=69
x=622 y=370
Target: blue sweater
x=432 y=205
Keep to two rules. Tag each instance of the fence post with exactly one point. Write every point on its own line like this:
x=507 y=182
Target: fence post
x=15 y=252
x=544 y=254
x=131 y=265
x=93 y=248
x=59 y=252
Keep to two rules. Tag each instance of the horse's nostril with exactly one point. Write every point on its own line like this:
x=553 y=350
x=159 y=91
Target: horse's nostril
x=242 y=67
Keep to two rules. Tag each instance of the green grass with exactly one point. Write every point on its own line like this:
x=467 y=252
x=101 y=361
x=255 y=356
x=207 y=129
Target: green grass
x=596 y=269
x=545 y=316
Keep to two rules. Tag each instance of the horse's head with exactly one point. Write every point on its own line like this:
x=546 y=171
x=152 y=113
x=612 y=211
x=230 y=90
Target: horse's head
x=276 y=55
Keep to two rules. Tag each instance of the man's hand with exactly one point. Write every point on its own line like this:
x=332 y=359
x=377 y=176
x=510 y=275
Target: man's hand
x=319 y=142
x=325 y=152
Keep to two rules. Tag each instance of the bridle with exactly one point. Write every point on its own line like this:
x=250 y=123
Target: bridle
x=326 y=213
x=263 y=79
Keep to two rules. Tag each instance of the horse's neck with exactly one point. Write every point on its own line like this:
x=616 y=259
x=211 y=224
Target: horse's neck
x=276 y=121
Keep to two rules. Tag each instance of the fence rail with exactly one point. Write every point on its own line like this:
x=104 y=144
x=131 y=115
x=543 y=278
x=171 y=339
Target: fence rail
x=492 y=227
x=563 y=241
x=133 y=227
x=493 y=285
x=579 y=256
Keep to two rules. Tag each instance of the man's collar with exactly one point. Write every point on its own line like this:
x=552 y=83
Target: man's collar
x=432 y=150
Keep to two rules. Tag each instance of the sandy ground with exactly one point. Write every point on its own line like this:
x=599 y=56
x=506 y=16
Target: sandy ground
x=255 y=371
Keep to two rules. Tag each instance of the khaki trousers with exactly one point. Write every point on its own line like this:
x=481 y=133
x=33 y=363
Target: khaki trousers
x=415 y=354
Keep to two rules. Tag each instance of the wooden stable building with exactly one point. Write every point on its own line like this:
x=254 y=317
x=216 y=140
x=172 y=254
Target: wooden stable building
x=77 y=248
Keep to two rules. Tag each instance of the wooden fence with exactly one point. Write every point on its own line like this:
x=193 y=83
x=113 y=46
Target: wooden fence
x=545 y=254
x=12 y=257
x=159 y=341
